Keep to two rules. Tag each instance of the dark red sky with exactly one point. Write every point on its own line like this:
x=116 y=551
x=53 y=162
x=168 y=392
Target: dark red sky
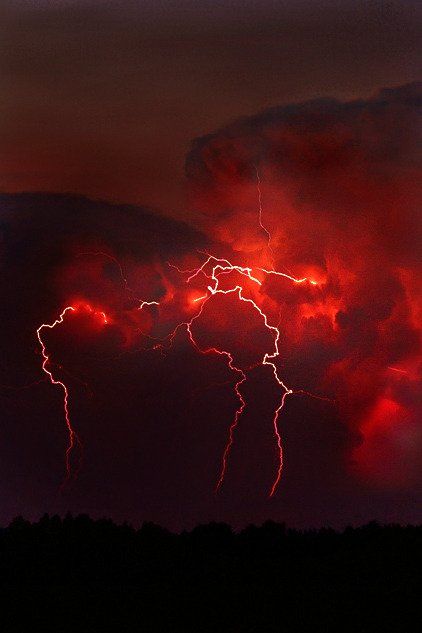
x=104 y=98
x=180 y=106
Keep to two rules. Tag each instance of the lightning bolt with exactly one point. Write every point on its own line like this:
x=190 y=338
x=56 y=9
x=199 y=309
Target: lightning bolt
x=46 y=364
x=148 y=303
x=212 y=269
x=260 y=210
x=73 y=437
x=219 y=267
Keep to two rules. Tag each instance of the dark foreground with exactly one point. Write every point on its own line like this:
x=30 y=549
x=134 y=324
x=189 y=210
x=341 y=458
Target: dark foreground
x=87 y=576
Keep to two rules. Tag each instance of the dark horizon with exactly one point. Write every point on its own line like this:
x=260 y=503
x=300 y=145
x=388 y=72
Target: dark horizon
x=102 y=575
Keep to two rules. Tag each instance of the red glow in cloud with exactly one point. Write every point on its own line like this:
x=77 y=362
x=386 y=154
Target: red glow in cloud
x=314 y=275
x=389 y=452
x=338 y=199
x=212 y=269
x=214 y=273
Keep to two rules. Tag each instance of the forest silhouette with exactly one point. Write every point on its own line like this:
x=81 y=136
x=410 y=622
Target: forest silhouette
x=85 y=575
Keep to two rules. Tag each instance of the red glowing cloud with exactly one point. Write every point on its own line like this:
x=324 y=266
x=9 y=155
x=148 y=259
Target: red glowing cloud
x=302 y=281
x=329 y=191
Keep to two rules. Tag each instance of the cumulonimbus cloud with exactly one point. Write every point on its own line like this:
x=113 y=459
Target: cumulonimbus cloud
x=339 y=189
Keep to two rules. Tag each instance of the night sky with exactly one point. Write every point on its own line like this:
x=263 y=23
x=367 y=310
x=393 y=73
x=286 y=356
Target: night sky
x=138 y=138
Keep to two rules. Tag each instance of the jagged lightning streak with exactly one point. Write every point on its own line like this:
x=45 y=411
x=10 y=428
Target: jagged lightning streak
x=262 y=226
x=218 y=267
x=73 y=436
x=230 y=364
x=242 y=379
x=260 y=210
x=221 y=266
x=148 y=303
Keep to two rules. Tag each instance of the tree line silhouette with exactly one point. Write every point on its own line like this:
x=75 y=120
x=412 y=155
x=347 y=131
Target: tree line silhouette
x=89 y=575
